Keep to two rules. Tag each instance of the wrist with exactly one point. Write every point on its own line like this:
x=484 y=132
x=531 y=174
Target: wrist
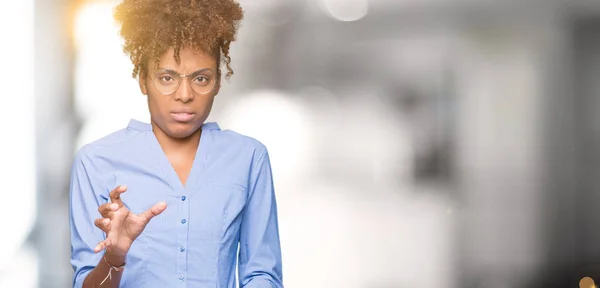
x=115 y=259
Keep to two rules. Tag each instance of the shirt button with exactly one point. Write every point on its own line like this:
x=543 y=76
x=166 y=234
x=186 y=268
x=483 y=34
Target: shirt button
x=181 y=277
x=183 y=198
x=181 y=249
x=183 y=221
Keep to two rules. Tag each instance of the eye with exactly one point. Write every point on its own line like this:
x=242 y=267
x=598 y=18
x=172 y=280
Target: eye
x=201 y=79
x=166 y=78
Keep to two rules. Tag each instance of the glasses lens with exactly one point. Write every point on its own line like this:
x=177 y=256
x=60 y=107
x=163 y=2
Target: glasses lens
x=202 y=83
x=166 y=83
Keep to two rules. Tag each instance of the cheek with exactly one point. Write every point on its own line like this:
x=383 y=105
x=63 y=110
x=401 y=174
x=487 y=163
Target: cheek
x=208 y=102
x=156 y=105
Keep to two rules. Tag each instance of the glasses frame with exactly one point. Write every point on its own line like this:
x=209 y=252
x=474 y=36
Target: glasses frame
x=183 y=76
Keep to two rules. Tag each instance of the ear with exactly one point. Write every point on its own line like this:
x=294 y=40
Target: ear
x=142 y=83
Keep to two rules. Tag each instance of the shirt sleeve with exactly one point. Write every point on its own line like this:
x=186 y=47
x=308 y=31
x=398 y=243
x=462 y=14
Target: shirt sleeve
x=83 y=210
x=260 y=252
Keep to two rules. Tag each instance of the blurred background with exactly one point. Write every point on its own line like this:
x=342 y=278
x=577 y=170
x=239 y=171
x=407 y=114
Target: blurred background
x=414 y=143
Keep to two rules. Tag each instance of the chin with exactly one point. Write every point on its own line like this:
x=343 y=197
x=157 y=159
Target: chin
x=182 y=130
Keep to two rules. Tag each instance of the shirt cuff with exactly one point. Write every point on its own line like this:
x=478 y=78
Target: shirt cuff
x=80 y=278
x=261 y=283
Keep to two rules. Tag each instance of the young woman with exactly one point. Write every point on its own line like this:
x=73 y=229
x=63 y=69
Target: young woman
x=165 y=204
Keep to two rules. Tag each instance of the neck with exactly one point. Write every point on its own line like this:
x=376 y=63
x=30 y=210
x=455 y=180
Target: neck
x=177 y=145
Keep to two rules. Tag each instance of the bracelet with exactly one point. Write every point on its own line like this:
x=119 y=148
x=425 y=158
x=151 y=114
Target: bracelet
x=109 y=276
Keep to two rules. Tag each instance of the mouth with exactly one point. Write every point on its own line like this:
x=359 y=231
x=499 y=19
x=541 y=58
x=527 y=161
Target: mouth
x=182 y=116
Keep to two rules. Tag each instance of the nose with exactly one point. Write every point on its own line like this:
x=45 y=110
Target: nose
x=184 y=93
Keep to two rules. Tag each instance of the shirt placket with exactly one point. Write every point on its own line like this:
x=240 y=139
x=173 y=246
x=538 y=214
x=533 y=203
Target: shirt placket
x=182 y=238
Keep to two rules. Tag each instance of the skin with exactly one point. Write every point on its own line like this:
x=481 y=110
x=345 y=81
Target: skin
x=179 y=141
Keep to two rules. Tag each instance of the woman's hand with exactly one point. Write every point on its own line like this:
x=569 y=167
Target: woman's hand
x=122 y=226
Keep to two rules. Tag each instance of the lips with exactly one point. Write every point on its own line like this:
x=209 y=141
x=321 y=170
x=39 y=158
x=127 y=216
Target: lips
x=182 y=116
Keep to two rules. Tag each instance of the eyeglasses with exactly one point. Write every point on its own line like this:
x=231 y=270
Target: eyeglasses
x=167 y=81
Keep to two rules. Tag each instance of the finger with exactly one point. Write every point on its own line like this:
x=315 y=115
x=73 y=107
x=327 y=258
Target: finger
x=115 y=195
x=103 y=224
x=102 y=245
x=99 y=247
x=152 y=212
x=107 y=209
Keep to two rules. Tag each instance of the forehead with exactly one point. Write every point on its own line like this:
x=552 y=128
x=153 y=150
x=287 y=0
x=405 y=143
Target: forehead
x=189 y=60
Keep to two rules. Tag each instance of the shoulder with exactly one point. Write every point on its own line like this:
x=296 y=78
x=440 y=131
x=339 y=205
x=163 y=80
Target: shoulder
x=108 y=144
x=239 y=139
x=240 y=142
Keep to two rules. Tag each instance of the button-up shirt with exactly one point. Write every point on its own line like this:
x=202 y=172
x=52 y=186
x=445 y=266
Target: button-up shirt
x=225 y=213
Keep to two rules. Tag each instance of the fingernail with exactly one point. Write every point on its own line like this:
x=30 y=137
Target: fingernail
x=123 y=187
x=114 y=206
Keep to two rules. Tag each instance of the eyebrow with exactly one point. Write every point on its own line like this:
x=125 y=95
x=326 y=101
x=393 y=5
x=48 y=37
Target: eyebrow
x=175 y=72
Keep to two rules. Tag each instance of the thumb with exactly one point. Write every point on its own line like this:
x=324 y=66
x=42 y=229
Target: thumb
x=152 y=212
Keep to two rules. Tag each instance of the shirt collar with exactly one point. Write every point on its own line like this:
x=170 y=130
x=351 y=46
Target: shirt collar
x=141 y=126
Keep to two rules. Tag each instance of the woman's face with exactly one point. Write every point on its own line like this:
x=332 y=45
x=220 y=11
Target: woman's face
x=179 y=111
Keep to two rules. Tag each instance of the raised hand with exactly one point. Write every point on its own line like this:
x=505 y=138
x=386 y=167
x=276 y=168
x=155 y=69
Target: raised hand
x=122 y=226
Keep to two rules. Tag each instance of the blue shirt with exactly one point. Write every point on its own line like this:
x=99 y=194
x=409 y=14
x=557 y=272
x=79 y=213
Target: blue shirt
x=228 y=199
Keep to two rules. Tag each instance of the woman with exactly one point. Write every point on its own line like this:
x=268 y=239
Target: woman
x=171 y=200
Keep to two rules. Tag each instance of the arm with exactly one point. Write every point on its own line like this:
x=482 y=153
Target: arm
x=113 y=219
x=99 y=274
x=89 y=266
x=260 y=253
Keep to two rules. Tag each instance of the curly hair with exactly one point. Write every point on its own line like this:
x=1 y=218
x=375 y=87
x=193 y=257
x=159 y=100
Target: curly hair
x=151 y=27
